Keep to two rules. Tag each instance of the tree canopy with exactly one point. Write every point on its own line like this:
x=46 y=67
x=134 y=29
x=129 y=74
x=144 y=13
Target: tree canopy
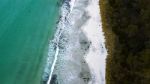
x=126 y=24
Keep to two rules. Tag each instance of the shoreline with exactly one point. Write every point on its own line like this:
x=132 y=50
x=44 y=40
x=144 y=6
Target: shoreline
x=76 y=42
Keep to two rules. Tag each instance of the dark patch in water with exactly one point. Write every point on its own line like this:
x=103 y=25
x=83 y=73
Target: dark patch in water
x=85 y=76
x=45 y=78
x=54 y=79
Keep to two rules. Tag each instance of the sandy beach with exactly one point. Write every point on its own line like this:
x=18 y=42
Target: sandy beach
x=79 y=41
x=97 y=52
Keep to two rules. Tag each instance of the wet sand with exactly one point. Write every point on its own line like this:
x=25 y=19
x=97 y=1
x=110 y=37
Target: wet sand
x=81 y=58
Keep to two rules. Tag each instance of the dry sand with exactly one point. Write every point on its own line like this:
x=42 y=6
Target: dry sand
x=97 y=53
x=81 y=55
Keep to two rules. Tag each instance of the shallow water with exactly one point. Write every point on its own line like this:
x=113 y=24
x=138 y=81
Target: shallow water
x=25 y=29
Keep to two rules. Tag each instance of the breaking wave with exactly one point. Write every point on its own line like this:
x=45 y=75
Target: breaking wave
x=55 y=44
x=66 y=55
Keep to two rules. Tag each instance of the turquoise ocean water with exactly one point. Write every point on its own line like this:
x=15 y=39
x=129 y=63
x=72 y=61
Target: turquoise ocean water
x=26 y=26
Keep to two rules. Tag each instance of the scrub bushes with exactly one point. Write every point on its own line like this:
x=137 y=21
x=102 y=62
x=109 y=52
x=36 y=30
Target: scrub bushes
x=126 y=24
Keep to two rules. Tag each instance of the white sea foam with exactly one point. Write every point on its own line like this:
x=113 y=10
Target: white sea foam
x=72 y=2
x=54 y=44
x=79 y=21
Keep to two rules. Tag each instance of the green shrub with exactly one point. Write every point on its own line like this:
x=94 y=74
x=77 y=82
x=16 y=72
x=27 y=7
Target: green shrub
x=126 y=24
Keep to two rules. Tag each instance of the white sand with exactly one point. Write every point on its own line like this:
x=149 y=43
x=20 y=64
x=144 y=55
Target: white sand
x=79 y=38
x=97 y=54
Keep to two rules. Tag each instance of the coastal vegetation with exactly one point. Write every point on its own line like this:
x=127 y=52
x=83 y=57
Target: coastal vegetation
x=126 y=24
